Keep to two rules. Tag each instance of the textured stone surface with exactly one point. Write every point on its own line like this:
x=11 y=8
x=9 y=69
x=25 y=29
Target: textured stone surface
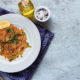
x=61 y=61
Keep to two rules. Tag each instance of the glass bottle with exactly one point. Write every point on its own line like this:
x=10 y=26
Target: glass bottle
x=26 y=8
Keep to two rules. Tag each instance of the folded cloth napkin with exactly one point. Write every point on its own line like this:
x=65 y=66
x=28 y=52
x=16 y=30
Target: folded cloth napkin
x=46 y=37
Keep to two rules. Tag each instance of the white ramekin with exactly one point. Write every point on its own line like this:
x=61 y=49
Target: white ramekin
x=47 y=11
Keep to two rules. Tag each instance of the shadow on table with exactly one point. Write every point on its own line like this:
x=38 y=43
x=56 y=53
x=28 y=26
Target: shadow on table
x=44 y=24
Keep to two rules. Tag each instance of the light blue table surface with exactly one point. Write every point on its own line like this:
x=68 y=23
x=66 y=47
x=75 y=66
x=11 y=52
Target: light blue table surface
x=62 y=60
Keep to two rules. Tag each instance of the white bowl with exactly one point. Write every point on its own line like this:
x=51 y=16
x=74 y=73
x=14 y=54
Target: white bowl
x=38 y=8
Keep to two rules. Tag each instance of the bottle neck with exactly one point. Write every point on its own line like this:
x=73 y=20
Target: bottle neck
x=25 y=2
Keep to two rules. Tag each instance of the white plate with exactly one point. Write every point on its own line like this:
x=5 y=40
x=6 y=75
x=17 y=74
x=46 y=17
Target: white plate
x=30 y=54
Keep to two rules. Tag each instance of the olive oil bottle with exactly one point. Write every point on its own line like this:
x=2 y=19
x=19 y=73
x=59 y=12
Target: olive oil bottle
x=26 y=8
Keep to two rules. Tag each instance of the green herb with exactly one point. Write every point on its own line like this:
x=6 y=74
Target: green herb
x=12 y=43
x=12 y=37
x=11 y=58
x=16 y=42
x=8 y=30
x=15 y=33
x=22 y=34
x=5 y=40
x=13 y=55
x=2 y=48
x=9 y=37
x=22 y=48
x=9 y=41
x=15 y=38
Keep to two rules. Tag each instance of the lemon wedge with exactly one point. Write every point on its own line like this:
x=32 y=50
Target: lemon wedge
x=4 y=24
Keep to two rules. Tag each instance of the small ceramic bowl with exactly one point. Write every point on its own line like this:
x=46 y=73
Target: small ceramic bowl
x=42 y=14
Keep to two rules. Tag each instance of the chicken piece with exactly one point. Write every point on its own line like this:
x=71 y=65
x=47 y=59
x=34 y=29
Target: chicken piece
x=6 y=34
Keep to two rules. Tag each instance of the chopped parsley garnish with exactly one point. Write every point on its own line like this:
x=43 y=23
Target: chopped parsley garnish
x=9 y=41
x=8 y=30
x=22 y=48
x=12 y=57
x=15 y=38
x=15 y=33
x=13 y=43
x=22 y=34
x=10 y=37
x=5 y=40
x=2 y=48
x=16 y=42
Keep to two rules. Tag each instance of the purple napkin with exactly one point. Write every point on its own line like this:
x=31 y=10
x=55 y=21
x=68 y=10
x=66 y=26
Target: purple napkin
x=46 y=37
